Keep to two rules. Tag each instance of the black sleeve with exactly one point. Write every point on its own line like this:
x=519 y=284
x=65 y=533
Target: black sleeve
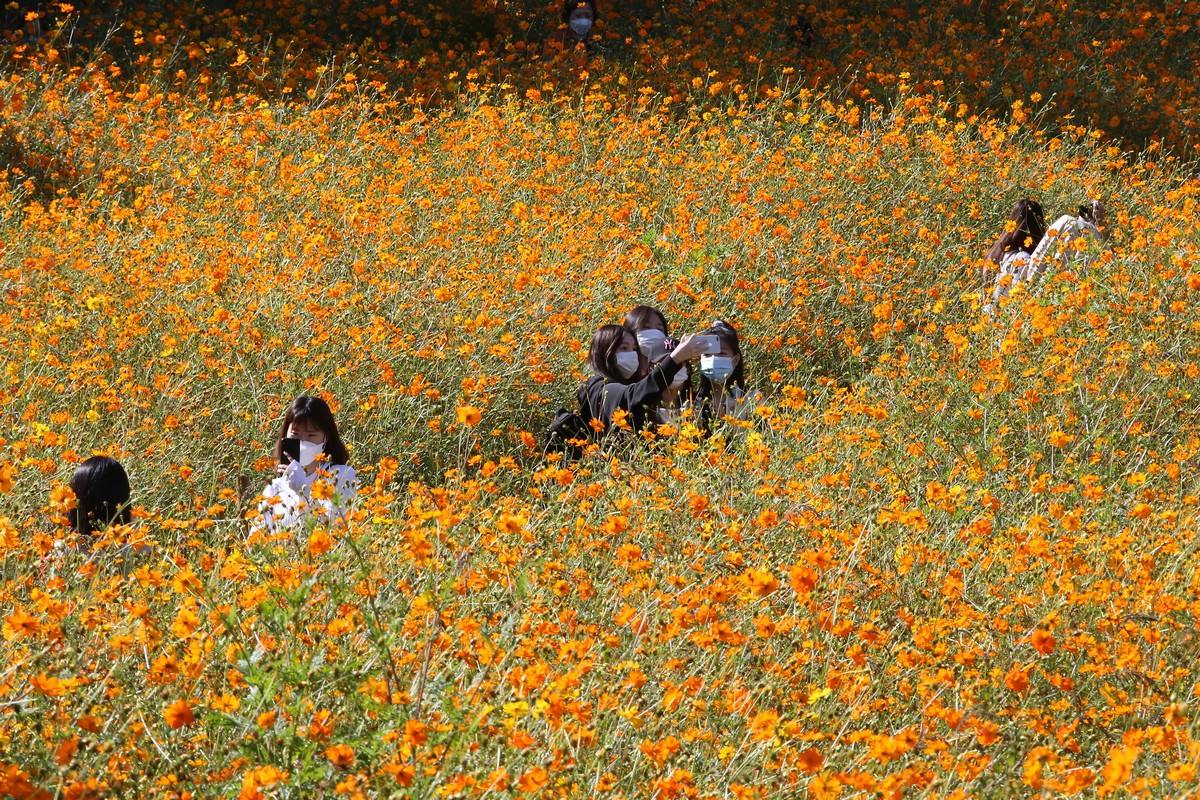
x=634 y=397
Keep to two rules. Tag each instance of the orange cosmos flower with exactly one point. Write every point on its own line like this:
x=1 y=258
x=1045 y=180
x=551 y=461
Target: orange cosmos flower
x=20 y=624
x=340 y=755
x=179 y=714
x=319 y=542
x=1017 y=680
x=1119 y=768
x=533 y=780
x=809 y=761
x=49 y=685
x=1043 y=642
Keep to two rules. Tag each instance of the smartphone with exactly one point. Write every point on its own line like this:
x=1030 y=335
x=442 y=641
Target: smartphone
x=711 y=344
x=289 y=447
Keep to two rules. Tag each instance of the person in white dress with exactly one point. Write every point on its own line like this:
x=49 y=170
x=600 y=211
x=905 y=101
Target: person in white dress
x=313 y=480
x=1072 y=238
x=1013 y=251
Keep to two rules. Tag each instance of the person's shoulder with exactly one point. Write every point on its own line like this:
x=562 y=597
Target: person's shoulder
x=1062 y=222
x=595 y=383
x=342 y=472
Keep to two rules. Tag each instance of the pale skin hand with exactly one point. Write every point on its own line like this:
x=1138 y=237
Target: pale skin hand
x=688 y=349
x=305 y=431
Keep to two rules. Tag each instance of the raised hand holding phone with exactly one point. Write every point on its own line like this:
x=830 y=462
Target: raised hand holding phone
x=692 y=346
x=289 y=452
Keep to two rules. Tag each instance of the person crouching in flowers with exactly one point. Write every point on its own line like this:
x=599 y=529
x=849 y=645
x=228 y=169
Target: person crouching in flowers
x=722 y=391
x=654 y=340
x=313 y=477
x=101 y=493
x=624 y=390
x=1013 y=251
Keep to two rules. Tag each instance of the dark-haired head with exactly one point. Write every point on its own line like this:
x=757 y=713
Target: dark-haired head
x=602 y=355
x=1029 y=227
x=644 y=318
x=308 y=410
x=1092 y=211
x=731 y=346
x=569 y=6
x=101 y=490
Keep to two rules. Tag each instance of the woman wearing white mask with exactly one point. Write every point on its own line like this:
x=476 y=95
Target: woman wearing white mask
x=624 y=380
x=722 y=389
x=309 y=449
x=579 y=21
x=654 y=340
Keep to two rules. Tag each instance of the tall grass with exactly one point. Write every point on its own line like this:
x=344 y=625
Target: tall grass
x=953 y=555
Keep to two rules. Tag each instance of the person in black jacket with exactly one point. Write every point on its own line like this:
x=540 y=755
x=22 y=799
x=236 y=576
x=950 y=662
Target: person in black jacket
x=653 y=334
x=623 y=379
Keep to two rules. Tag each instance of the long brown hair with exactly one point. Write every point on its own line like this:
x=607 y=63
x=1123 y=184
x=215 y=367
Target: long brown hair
x=1030 y=227
x=315 y=411
x=602 y=354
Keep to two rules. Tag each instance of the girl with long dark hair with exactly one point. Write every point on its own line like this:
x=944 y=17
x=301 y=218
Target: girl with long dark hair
x=623 y=379
x=654 y=340
x=309 y=449
x=1013 y=251
x=1028 y=226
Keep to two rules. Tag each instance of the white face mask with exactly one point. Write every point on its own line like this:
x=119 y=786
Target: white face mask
x=309 y=452
x=580 y=26
x=716 y=368
x=653 y=343
x=628 y=363
x=680 y=378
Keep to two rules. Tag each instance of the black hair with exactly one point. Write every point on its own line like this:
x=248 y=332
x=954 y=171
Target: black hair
x=315 y=410
x=101 y=490
x=602 y=354
x=641 y=318
x=725 y=332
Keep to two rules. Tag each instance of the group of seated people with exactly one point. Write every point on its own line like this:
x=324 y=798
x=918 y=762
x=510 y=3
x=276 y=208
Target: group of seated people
x=641 y=379
x=312 y=479
x=638 y=369
x=1027 y=248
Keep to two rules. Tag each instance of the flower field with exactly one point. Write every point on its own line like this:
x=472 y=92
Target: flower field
x=953 y=555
